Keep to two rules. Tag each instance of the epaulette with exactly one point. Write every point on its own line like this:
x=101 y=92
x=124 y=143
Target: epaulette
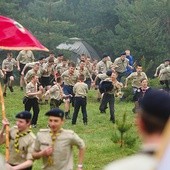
x=44 y=130
x=32 y=135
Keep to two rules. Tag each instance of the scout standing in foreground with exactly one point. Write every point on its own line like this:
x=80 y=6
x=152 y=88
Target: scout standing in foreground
x=55 y=145
x=21 y=142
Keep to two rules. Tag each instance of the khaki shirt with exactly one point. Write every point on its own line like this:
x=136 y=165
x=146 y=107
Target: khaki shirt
x=61 y=68
x=63 y=148
x=85 y=72
x=68 y=79
x=31 y=88
x=136 y=78
x=25 y=147
x=121 y=65
x=102 y=67
x=56 y=92
x=47 y=70
x=30 y=73
x=102 y=76
x=80 y=89
x=25 y=57
x=9 y=65
x=165 y=73
x=116 y=86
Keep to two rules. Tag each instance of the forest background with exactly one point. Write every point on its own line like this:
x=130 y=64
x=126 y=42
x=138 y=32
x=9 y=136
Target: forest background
x=110 y=26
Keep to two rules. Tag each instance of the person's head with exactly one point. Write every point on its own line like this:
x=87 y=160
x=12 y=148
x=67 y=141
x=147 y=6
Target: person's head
x=154 y=112
x=23 y=120
x=114 y=75
x=123 y=56
x=72 y=67
x=59 y=80
x=109 y=73
x=55 y=119
x=127 y=52
x=82 y=64
x=138 y=68
x=34 y=78
x=36 y=67
x=60 y=57
x=144 y=83
x=51 y=54
x=50 y=61
x=41 y=59
x=83 y=57
x=81 y=77
x=9 y=55
x=105 y=57
x=166 y=62
x=88 y=59
x=64 y=61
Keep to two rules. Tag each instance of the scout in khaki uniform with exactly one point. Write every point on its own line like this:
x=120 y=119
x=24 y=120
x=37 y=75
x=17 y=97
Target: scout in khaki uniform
x=55 y=145
x=7 y=68
x=24 y=57
x=121 y=64
x=21 y=142
x=136 y=78
x=56 y=94
x=109 y=94
x=80 y=90
x=70 y=78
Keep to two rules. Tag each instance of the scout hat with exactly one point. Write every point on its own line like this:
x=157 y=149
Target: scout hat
x=55 y=112
x=24 y=115
x=156 y=103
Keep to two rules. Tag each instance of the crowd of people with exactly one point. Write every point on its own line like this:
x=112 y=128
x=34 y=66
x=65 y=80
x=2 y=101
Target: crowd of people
x=55 y=81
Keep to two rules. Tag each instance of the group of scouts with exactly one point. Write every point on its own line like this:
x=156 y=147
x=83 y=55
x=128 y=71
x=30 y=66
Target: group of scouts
x=54 y=145
x=57 y=80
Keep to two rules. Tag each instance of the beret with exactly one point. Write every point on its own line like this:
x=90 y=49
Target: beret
x=55 y=112
x=24 y=115
x=123 y=53
x=156 y=103
x=109 y=73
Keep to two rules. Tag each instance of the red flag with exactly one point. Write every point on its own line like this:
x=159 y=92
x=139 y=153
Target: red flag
x=13 y=36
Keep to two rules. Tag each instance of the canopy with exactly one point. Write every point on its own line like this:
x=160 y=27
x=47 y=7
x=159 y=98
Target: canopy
x=13 y=36
x=79 y=46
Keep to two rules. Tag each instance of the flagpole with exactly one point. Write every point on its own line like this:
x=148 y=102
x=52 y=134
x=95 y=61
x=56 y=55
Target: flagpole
x=7 y=126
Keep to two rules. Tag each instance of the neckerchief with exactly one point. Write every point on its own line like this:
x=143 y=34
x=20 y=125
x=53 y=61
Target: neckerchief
x=53 y=138
x=17 y=137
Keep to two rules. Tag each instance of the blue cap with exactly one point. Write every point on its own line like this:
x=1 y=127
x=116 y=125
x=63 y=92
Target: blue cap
x=24 y=115
x=156 y=103
x=55 y=112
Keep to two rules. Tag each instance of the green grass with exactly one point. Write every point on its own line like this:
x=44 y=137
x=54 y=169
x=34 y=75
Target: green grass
x=98 y=134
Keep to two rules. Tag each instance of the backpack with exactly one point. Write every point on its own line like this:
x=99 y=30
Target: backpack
x=105 y=86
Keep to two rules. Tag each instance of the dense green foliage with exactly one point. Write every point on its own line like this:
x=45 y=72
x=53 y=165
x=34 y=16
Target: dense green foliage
x=110 y=26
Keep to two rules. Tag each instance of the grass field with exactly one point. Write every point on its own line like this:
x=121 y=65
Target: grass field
x=98 y=135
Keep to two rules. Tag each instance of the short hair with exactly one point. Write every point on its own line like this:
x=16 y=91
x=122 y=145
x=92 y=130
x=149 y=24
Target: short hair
x=81 y=77
x=59 y=79
x=71 y=64
x=143 y=79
